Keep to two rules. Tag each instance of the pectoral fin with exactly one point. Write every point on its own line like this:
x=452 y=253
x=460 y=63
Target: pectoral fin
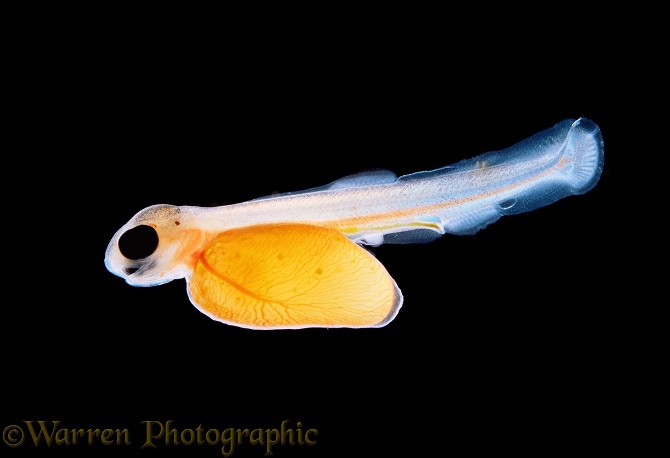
x=289 y=276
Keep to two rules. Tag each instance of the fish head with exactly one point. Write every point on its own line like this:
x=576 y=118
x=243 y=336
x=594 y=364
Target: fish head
x=157 y=245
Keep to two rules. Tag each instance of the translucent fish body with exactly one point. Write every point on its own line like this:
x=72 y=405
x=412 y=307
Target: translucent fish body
x=288 y=250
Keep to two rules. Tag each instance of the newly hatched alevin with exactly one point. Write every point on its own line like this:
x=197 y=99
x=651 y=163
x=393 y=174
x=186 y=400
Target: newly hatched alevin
x=295 y=260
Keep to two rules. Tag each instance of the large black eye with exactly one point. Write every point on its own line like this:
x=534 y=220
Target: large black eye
x=138 y=242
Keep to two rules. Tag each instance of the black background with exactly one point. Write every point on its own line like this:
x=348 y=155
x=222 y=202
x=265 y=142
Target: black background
x=507 y=340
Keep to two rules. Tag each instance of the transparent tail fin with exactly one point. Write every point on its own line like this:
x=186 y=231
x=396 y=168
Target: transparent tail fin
x=582 y=162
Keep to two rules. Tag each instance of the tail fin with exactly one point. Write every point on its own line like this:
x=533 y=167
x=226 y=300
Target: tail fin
x=561 y=161
x=583 y=158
